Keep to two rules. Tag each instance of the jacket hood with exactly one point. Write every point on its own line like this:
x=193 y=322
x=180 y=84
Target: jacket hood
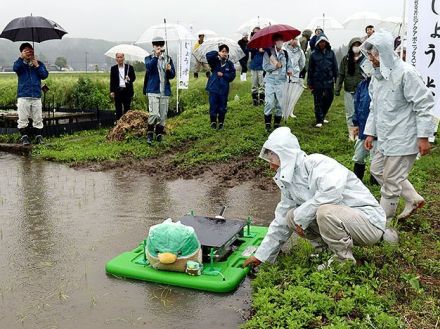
x=307 y=33
x=285 y=145
x=381 y=45
x=322 y=37
x=354 y=40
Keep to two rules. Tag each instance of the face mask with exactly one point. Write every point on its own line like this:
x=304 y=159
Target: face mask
x=279 y=44
x=356 y=50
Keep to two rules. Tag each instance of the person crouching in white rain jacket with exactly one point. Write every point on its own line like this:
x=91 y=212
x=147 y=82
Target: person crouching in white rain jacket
x=400 y=119
x=320 y=199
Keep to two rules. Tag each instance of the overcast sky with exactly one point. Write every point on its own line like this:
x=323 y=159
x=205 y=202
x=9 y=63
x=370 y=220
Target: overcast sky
x=125 y=20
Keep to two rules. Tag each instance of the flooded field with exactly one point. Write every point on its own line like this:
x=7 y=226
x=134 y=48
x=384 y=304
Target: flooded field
x=59 y=226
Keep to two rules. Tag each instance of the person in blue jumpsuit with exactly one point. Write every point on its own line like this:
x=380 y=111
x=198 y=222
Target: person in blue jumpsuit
x=223 y=73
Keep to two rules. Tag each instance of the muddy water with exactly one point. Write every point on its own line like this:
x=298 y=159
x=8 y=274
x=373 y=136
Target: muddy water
x=59 y=226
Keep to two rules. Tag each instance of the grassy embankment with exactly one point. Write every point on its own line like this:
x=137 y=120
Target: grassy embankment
x=393 y=287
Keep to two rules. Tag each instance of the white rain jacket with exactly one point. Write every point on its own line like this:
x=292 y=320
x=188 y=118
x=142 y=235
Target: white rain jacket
x=307 y=182
x=297 y=59
x=401 y=105
x=274 y=75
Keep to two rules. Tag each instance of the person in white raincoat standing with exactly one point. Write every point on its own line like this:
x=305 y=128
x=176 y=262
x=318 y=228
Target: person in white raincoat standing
x=400 y=119
x=320 y=199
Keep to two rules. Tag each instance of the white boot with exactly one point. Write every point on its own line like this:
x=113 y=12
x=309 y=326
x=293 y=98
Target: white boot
x=390 y=207
x=413 y=200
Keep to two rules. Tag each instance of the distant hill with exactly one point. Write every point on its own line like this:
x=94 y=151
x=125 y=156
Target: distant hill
x=73 y=49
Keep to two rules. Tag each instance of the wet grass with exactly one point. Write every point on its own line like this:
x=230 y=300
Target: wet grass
x=392 y=287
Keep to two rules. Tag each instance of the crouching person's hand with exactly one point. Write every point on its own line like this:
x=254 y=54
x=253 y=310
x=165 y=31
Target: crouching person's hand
x=299 y=230
x=252 y=261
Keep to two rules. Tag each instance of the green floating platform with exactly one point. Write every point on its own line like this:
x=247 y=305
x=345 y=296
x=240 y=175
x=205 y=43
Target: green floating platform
x=219 y=277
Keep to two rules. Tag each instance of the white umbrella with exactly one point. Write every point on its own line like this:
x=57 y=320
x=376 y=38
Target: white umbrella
x=169 y=32
x=291 y=94
x=326 y=23
x=360 y=20
x=249 y=25
x=131 y=52
x=206 y=33
x=235 y=52
x=391 y=24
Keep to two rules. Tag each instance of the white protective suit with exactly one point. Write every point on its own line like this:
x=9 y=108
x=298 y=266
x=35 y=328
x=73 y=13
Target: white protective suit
x=400 y=113
x=308 y=182
x=401 y=105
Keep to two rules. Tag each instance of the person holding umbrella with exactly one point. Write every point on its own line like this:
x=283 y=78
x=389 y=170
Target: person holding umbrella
x=198 y=65
x=223 y=73
x=277 y=67
x=30 y=72
x=159 y=71
x=122 y=77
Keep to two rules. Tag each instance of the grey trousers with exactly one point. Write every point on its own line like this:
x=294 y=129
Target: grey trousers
x=158 y=108
x=257 y=82
x=340 y=227
x=349 y=108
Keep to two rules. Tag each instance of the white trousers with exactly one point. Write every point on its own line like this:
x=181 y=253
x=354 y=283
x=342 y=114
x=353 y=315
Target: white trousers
x=29 y=108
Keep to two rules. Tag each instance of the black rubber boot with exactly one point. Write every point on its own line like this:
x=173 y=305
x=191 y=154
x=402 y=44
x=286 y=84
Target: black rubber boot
x=268 y=122
x=359 y=170
x=277 y=122
x=213 y=121
x=221 y=121
x=38 y=133
x=196 y=75
x=373 y=180
x=255 y=99
x=24 y=140
x=159 y=132
x=208 y=74
x=262 y=99
x=150 y=134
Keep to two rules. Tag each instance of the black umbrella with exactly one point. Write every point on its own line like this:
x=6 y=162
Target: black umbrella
x=32 y=28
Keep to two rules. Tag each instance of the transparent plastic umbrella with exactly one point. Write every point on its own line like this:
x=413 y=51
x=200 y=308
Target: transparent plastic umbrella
x=249 y=25
x=235 y=52
x=360 y=20
x=291 y=94
x=391 y=24
x=131 y=52
x=324 y=22
x=206 y=33
x=169 y=32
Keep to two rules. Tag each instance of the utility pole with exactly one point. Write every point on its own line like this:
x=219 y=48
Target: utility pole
x=86 y=60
